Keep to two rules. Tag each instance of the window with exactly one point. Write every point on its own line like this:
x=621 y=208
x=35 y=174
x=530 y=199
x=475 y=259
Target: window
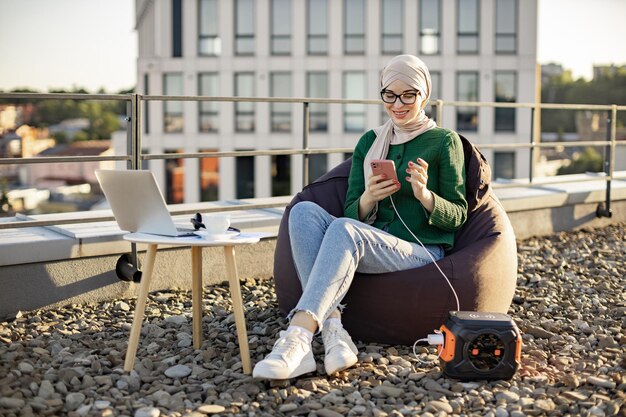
x=504 y=165
x=392 y=27
x=174 y=180
x=244 y=112
x=173 y=110
x=435 y=93
x=281 y=27
x=467 y=26
x=208 y=117
x=281 y=175
x=430 y=27
x=467 y=90
x=506 y=26
x=317 y=27
x=244 y=165
x=317 y=87
x=209 y=177
x=354 y=27
x=209 y=42
x=506 y=86
x=280 y=86
x=177 y=28
x=354 y=114
x=244 y=27
x=317 y=166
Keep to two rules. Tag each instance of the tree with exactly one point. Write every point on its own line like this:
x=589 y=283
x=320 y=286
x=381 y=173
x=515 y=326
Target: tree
x=588 y=161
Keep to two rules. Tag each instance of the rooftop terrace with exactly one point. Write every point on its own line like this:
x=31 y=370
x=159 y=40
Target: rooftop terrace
x=569 y=304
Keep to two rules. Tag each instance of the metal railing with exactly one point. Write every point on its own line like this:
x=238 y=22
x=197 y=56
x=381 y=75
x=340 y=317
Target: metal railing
x=134 y=157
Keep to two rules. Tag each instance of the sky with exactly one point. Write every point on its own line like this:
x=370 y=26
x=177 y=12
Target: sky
x=50 y=44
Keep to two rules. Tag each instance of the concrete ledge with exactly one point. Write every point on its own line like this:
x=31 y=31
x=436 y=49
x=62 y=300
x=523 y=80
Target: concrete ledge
x=45 y=267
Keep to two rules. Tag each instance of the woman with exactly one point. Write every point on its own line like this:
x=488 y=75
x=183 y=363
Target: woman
x=385 y=221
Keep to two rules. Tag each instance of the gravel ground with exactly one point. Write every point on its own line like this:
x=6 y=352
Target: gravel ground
x=570 y=305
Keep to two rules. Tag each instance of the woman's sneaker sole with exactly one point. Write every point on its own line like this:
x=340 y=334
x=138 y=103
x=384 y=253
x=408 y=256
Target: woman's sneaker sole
x=262 y=371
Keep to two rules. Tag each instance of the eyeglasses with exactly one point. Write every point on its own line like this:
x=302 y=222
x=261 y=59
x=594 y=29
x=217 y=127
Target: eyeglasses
x=408 y=97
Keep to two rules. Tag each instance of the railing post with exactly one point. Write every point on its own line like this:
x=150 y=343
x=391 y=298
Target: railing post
x=531 y=156
x=137 y=127
x=439 y=110
x=604 y=210
x=305 y=143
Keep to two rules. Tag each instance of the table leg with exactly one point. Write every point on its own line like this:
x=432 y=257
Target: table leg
x=196 y=294
x=240 y=320
x=135 y=330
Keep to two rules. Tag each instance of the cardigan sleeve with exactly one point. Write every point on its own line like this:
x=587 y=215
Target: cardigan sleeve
x=356 y=181
x=450 y=211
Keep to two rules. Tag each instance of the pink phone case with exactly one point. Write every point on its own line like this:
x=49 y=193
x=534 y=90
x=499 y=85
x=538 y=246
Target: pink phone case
x=384 y=166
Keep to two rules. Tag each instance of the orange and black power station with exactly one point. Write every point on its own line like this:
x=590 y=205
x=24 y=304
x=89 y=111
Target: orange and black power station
x=480 y=345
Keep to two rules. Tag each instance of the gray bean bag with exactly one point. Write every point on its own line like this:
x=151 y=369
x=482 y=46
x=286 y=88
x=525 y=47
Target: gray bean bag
x=401 y=307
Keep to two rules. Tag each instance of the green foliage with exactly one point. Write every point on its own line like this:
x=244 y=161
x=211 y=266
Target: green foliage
x=103 y=115
x=588 y=161
x=605 y=89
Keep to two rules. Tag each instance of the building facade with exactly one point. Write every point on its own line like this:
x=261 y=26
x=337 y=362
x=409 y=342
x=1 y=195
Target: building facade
x=477 y=50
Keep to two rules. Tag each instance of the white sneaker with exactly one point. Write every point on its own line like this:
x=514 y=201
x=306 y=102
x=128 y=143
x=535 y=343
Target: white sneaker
x=340 y=350
x=290 y=357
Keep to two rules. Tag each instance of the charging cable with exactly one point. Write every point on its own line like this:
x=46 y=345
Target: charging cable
x=433 y=339
x=437 y=338
x=458 y=305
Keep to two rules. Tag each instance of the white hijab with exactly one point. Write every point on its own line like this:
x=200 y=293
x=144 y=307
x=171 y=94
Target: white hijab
x=412 y=71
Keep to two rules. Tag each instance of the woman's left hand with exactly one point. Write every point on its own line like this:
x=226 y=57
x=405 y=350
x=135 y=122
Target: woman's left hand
x=418 y=177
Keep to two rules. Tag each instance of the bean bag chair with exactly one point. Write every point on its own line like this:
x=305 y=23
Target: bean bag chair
x=401 y=307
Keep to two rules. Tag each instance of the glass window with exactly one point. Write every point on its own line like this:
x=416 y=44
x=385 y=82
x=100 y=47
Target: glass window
x=244 y=111
x=281 y=27
x=392 y=26
x=244 y=166
x=506 y=86
x=174 y=180
x=467 y=90
x=280 y=86
x=354 y=114
x=173 y=110
x=317 y=87
x=318 y=166
x=244 y=27
x=467 y=26
x=281 y=175
x=317 y=27
x=209 y=177
x=208 y=117
x=430 y=27
x=177 y=28
x=506 y=26
x=354 y=26
x=435 y=93
x=504 y=165
x=209 y=42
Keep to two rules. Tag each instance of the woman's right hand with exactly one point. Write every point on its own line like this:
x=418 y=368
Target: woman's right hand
x=377 y=188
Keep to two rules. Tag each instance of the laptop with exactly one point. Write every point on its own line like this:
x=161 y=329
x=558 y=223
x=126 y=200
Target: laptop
x=137 y=203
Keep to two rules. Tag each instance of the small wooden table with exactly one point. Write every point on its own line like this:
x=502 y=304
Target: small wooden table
x=196 y=281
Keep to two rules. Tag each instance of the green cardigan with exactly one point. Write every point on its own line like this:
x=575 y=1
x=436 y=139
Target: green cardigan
x=443 y=151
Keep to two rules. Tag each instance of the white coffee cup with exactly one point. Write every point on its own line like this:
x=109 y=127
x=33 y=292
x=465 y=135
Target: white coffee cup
x=216 y=223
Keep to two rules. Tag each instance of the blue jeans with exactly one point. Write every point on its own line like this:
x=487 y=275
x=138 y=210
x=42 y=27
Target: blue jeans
x=328 y=250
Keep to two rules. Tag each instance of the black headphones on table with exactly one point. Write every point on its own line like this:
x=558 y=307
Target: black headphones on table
x=197 y=223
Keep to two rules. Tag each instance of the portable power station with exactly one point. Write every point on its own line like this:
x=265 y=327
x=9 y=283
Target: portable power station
x=480 y=345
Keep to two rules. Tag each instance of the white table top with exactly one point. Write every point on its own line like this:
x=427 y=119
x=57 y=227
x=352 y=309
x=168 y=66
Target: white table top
x=241 y=239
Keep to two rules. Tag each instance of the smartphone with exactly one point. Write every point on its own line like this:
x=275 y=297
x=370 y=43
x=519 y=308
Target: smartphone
x=384 y=166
